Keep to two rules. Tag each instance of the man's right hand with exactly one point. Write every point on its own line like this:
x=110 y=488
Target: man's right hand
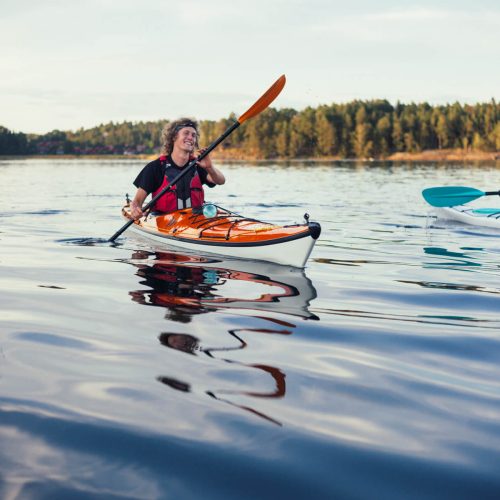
x=135 y=211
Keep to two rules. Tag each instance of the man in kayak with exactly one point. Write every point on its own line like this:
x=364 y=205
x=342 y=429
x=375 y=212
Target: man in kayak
x=179 y=141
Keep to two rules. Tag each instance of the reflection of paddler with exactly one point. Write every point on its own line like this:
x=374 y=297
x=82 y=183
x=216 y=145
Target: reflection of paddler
x=180 y=341
x=194 y=284
x=191 y=345
x=176 y=287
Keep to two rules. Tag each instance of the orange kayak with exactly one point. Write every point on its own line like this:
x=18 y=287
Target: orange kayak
x=230 y=234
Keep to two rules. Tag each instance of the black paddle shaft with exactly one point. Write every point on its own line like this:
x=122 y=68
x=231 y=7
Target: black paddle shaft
x=181 y=174
x=492 y=193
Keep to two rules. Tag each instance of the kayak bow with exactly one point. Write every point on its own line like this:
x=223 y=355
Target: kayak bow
x=230 y=234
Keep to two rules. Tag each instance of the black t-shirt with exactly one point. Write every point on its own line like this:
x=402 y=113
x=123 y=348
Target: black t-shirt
x=151 y=177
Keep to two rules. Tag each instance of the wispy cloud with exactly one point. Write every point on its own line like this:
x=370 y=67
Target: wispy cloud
x=410 y=15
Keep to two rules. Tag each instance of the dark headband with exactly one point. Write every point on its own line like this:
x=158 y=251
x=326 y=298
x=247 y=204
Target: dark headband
x=188 y=123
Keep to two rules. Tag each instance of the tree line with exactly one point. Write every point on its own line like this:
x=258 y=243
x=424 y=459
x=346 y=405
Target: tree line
x=358 y=129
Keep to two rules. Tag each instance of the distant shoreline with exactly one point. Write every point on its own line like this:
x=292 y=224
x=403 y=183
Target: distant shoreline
x=434 y=155
x=446 y=155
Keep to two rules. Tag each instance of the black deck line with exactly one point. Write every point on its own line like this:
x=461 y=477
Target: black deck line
x=275 y=241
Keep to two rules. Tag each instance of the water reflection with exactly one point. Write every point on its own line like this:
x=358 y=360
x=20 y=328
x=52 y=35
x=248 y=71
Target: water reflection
x=187 y=286
x=457 y=259
x=192 y=345
x=451 y=286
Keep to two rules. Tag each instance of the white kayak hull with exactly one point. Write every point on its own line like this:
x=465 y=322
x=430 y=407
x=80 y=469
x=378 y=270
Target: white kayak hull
x=486 y=217
x=292 y=252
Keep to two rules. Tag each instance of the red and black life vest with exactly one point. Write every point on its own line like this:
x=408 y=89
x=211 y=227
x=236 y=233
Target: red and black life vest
x=170 y=200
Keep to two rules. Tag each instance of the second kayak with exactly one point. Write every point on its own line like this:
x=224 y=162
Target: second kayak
x=487 y=217
x=227 y=233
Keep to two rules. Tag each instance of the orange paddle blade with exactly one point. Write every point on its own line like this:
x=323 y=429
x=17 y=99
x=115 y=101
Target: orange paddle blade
x=267 y=98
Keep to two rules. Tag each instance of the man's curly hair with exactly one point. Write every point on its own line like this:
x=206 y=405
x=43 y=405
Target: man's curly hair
x=170 y=130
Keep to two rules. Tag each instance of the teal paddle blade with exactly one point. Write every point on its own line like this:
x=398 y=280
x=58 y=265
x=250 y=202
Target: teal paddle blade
x=450 y=196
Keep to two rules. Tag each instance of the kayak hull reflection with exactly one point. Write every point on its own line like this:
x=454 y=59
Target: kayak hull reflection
x=201 y=283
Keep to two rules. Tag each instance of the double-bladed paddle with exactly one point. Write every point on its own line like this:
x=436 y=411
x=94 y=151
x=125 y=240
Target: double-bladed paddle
x=450 y=196
x=260 y=105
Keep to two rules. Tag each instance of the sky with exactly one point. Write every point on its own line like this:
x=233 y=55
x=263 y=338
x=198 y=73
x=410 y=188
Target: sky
x=67 y=64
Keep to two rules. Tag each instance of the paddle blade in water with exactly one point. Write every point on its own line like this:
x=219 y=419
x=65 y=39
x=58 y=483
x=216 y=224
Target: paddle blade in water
x=450 y=196
x=267 y=98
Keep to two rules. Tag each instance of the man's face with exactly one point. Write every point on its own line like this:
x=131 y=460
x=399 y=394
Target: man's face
x=186 y=139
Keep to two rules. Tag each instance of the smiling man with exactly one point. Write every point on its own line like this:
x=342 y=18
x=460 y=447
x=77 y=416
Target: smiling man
x=179 y=141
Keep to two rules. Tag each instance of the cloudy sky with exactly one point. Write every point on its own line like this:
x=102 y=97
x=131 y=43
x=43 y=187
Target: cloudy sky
x=67 y=64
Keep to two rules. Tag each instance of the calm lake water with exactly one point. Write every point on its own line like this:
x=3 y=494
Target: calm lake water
x=130 y=371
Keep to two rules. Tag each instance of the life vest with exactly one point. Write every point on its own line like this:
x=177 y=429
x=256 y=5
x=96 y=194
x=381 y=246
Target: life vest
x=170 y=202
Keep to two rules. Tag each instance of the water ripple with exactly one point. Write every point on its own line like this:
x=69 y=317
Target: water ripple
x=129 y=370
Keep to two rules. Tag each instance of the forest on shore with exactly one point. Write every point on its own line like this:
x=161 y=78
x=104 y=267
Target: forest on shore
x=358 y=129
